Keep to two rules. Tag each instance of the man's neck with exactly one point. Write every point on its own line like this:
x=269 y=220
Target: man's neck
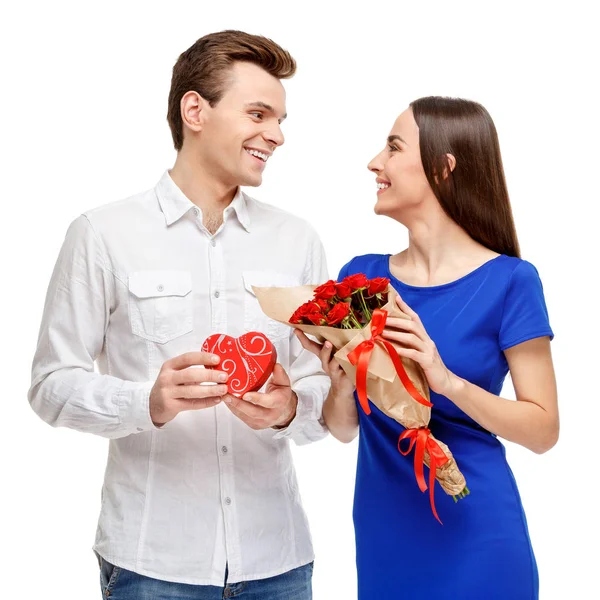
x=205 y=191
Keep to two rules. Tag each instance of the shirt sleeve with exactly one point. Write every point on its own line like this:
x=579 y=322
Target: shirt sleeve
x=525 y=315
x=65 y=390
x=308 y=379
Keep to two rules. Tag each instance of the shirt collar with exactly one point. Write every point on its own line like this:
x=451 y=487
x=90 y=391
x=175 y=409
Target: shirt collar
x=174 y=203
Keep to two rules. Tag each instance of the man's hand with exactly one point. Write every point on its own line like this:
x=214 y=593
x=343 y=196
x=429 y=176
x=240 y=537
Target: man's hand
x=178 y=386
x=274 y=408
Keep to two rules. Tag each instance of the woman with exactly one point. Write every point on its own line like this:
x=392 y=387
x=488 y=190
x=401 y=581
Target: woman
x=476 y=312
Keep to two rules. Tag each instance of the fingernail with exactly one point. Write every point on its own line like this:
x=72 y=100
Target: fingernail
x=223 y=377
x=247 y=398
x=327 y=344
x=217 y=400
x=228 y=400
x=215 y=359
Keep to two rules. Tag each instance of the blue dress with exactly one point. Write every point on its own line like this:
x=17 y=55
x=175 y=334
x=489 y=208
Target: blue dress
x=482 y=551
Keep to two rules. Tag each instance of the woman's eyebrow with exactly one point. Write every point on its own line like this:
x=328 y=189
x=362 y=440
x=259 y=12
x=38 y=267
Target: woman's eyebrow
x=393 y=138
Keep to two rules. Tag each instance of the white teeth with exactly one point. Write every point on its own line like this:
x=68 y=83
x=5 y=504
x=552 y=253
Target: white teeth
x=258 y=154
x=383 y=186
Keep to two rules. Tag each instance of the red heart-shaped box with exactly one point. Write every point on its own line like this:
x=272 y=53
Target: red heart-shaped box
x=249 y=360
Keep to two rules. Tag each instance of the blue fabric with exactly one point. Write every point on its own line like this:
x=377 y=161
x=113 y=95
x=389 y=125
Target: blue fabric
x=482 y=550
x=120 y=584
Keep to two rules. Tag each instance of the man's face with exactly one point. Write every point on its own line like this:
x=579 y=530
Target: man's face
x=242 y=131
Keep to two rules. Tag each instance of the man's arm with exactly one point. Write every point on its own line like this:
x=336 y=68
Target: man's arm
x=308 y=379
x=65 y=391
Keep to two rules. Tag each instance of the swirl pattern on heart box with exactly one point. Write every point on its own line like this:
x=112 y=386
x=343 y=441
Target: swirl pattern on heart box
x=248 y=360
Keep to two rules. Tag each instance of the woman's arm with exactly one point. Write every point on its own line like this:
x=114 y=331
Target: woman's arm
x=339 y=410
x=531 y=421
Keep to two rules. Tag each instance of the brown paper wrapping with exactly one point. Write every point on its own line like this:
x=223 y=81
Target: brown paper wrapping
x=384 y=387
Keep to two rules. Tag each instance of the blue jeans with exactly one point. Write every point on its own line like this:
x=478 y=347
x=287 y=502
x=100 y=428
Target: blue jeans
x=121 y=584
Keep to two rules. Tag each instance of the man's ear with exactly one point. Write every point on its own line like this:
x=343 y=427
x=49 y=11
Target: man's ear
x=193 y=110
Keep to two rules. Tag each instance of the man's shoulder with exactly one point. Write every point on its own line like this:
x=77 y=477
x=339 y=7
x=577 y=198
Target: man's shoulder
x=274 y=216
x=123 y=209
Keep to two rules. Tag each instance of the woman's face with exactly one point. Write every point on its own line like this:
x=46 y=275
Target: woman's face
x=401 y=180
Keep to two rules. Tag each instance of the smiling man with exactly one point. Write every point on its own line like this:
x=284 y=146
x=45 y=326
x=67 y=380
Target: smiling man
x=200 y=498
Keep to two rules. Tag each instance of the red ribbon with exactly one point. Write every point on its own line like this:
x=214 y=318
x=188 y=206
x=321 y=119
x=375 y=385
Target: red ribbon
x=361 y=355
x=422 y=440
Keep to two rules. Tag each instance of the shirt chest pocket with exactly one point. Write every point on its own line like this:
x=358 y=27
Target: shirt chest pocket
x=160 y=304
x=254 y=318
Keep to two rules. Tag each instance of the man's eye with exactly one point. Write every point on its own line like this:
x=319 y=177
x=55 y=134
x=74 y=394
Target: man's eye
x=392 y=148
x=257 y=115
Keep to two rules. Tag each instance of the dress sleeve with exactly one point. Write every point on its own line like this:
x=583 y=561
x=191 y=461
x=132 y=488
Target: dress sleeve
x=525 y=315
x=346 y=270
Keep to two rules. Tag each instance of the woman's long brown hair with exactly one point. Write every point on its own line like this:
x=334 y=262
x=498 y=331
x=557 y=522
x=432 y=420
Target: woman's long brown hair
x=474 y=194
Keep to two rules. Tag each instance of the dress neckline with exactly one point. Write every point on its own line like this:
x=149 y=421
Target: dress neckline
x=442 y=286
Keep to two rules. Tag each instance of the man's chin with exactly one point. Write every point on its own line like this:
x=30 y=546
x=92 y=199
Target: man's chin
x=252 y=181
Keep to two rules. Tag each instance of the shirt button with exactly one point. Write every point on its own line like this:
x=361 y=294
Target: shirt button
x=140 y=429
x=224 y=449
x=213 y=243
x=196 y=211
x=228 y=501
x=217 y=294
x=160 y=288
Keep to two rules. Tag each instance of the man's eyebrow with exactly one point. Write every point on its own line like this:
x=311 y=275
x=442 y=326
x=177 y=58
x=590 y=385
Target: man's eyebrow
x=393 y=138
x=266 y=107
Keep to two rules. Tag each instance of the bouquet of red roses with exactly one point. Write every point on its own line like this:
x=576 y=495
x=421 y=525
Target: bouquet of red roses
x=348 y=304
x=351 y=314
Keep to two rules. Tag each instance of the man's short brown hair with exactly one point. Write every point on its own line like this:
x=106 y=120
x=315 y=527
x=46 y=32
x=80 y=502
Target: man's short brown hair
x=204 y=66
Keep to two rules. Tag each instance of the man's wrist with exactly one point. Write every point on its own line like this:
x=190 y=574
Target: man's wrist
x=292 y=414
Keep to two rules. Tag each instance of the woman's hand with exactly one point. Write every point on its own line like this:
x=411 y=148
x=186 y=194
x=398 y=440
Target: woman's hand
x=341 y=384
x=416 y=344
x=339 y=409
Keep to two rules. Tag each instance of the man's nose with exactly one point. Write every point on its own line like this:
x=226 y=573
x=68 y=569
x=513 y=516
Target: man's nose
x=274 y=135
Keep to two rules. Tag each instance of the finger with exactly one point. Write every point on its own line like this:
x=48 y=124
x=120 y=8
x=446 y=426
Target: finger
x=280 y=378
x=406 y=308
x=325 y=356
x=307 y=343
x=249 y=409
x=266 y=400
x=407 y=339
x=199 y=375
x=252 y=423
x=415 y=355
x=409 y=326
x=189 y=359
x=187 y=392
x=197 y=403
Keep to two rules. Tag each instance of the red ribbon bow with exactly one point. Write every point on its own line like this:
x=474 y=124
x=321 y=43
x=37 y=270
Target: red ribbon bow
x=361 y=355
x=421 y=438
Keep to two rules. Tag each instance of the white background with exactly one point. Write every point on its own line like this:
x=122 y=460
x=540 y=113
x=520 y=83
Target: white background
x=84 y=123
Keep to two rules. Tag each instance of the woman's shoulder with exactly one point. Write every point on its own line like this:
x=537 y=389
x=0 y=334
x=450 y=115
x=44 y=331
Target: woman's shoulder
x=372 y=265
x=517 y=269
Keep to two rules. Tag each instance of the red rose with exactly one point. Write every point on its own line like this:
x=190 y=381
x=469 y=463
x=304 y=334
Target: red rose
x=338 y=313
x=356 y=281
x=377 y=285
x=316 y=318
x=326 y=291
x=343 y=289
x=296 y=318
x=323 y=304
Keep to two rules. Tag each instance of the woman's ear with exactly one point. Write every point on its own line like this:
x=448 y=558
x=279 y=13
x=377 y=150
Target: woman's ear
x=450 y=164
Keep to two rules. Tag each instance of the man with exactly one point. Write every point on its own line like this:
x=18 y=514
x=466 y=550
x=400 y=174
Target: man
x=200 y=498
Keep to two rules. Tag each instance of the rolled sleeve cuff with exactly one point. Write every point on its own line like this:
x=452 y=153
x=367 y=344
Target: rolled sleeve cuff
x=308 y=425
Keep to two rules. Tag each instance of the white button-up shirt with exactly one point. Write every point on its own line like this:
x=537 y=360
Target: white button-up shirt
x=137 y=282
